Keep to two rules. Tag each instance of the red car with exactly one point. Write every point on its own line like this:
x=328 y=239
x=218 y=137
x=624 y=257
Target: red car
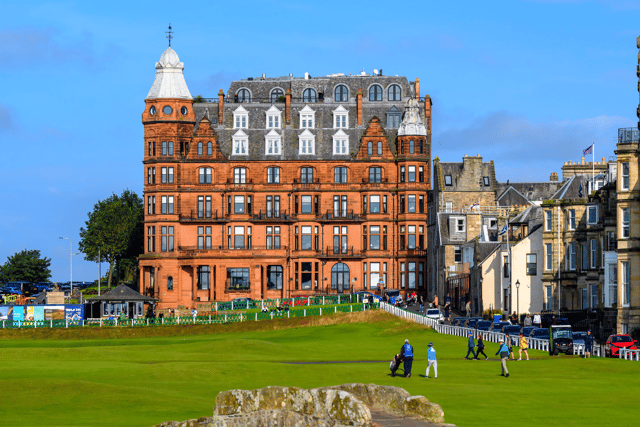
x=616 y=342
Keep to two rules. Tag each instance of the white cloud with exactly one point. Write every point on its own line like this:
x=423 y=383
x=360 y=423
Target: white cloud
x=529 y=148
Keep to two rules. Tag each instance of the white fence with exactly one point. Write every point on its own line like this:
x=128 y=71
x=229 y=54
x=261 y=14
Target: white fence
x=627 y=354
x=489 y=336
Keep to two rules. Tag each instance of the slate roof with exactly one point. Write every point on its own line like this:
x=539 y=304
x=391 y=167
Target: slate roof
x=572 y=189
x=511 y=194
x=462 y=180
x=122 y=293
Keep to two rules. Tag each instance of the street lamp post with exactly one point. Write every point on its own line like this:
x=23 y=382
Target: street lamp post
x=518 y=298
x=70 y=265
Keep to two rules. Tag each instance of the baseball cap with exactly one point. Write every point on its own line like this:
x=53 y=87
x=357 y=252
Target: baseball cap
x=430 y=344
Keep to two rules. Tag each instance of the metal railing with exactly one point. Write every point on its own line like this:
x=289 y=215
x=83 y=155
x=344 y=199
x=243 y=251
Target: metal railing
x=489 y=336
x=628 y=135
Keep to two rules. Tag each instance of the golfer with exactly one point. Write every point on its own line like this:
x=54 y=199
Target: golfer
x=406 y=352
x=588 y=343
x=503 y=351
x=431 y=356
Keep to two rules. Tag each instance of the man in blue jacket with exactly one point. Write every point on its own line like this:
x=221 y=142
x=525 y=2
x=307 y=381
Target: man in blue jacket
x=406 y=352
x=503 y=351
x=472 y=344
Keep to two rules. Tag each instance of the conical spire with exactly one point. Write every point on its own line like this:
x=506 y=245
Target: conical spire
x=412 y=124
x=169 y=81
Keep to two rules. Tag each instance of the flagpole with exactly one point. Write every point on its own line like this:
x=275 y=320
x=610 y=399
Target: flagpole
x=593 y=166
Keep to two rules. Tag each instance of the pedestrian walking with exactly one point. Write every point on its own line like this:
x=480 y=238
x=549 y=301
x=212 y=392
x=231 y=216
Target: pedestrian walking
x=507 y=340
x=468 y=309
x=481 y=347
x=431 y=357
x=527 y=320
x=435 y=302
x=524 y=345
x=194 y=313
x=446 y=312
x=537 y=320
x=503 y=351
x=406 y=352
x=588 y=343
x=471 y=345
x=421 y=303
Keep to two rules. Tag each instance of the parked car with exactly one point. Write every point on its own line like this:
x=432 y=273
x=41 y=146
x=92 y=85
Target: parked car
x=616 y=342
x=561 y=339
x=540 y=333
x=526 y=331
x=579 y=338
x=484 y=325
x=435 y=314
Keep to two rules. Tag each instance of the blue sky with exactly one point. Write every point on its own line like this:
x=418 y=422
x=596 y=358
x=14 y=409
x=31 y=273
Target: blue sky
x=529 y=84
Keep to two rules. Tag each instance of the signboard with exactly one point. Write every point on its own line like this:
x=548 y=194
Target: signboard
x=55 y=297
x=41 y=312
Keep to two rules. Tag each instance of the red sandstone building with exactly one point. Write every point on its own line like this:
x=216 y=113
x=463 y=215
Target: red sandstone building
x=284 y=186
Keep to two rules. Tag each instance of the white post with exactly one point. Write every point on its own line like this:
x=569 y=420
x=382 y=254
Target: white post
x=335 y=309
x=305 y=312
x=256 y=317
x=320 y=311
x=351 y=307
x=66 y=323
x=225 y=318
x=288 y=314
x=147 y=321
x=209 y=319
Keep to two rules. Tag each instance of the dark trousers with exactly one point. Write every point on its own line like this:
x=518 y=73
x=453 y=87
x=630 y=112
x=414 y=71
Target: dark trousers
x=481 y=351
x=408 y=361
x=472 y=352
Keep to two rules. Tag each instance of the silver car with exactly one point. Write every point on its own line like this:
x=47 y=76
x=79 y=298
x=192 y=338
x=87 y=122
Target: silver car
x=435 y=314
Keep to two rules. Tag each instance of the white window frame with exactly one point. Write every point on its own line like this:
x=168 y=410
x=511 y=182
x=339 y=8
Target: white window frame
x=240 y=118
x=625 y=282
x=307 y=118
x=274 y=118
x=624 y=229
x=548 y=249
x=340 y=143
x=548 y=223
x=307 y=143
x=624 y=176
x=240 y=146
x=340 y=118
x=592 y=219
x=272 y=144
x=571 y=219
x=571 y=256
x=461 y=225
x=448 y=206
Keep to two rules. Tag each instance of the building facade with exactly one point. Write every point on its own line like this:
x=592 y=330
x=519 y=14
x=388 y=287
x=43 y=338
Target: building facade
x=285 y=186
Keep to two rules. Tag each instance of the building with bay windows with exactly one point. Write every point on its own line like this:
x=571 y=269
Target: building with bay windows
x=284 y=186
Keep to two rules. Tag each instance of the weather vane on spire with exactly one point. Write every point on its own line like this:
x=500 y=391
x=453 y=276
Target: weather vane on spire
x=169 y=35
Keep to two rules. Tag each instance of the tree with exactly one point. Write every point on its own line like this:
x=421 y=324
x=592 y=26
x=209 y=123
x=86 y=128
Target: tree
x=26 y=266
x=115 y=229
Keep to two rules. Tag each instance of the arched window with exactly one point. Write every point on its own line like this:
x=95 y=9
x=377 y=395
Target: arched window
x=199 y=148
x=340 y=277
x=309 y=95
x=370 y=148
x=379 y=148
x=341 y=93
x=209 y=148
x=375 y=93
x=243 y=95
x=276 y=94
x=412 y=147
x=169 y=283
x=394 y=93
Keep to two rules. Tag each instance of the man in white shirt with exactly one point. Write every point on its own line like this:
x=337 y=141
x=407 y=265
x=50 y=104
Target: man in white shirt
x=537 y=320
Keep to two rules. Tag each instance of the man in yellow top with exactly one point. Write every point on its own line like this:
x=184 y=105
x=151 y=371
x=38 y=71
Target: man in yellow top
x=523 y=346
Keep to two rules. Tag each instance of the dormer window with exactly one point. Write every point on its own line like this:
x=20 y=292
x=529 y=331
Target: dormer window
x=307 y=118
x=375 y=93
x=341 y=93
x=273 y=118
x=447 y=180
x=240 y=118
x=243 y=95
x=394 y=117
x=307 y=143
x=394 y=93
x=340 y=143
x=277 y=95
x=340 y=118
x=309 y=95
x=240 y=144
x=273 y=144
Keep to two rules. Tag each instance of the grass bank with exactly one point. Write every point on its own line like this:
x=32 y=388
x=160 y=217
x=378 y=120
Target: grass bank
x=114 y=376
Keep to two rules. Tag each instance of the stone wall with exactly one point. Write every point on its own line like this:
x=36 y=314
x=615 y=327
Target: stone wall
x=343 y=405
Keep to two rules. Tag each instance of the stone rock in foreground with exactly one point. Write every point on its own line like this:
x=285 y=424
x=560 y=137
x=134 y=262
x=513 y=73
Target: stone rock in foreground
x=337 y=406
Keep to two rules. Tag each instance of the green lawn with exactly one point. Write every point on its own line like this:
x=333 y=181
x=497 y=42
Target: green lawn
x=107 y=381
